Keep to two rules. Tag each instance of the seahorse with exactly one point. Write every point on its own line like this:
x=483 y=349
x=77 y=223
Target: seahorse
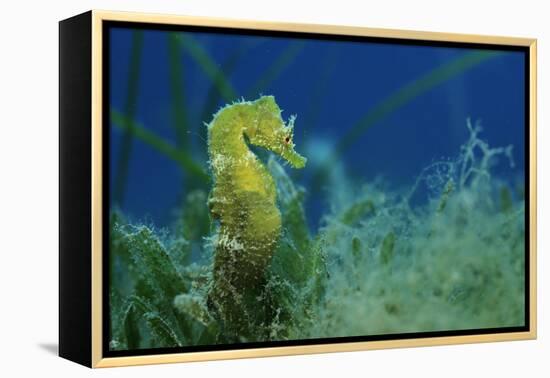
x=243 y=202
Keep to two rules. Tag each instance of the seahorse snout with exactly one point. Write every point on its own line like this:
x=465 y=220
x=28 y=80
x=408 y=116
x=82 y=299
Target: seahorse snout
x=295 y=159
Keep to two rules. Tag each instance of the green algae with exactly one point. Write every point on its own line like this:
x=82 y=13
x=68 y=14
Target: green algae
x=176 y=75
x=181 y=157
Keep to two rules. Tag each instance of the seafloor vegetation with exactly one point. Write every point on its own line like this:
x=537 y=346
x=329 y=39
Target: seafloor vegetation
x=444 y=253
x=378 y=265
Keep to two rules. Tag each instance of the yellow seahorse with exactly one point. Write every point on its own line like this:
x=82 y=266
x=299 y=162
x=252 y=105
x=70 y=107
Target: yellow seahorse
x=243 y=200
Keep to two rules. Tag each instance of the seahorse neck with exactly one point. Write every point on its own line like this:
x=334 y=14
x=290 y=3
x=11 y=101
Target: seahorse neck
x=227 y=142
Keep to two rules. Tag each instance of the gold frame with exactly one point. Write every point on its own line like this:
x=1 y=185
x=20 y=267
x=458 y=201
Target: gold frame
x=97 y=151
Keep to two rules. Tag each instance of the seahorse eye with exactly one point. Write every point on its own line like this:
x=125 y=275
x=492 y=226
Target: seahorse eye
x=287 y=140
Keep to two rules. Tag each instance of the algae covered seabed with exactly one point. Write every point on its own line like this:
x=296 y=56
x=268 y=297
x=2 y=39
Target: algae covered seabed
x=440 y=249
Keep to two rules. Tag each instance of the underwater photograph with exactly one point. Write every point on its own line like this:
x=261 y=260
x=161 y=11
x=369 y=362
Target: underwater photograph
x=276 y=188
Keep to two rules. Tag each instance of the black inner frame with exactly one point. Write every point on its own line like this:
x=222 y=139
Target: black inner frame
x=106 y=27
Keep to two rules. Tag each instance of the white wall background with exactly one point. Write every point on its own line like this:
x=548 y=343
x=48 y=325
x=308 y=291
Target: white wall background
x=29 y=174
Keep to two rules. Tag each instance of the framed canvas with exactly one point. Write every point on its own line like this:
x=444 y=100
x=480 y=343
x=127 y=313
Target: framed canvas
x=235 y=189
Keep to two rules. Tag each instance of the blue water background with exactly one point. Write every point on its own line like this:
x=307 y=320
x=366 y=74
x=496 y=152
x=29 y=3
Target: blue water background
x=330 y=86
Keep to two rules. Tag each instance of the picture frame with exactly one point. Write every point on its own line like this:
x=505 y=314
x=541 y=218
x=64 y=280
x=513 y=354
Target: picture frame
x=88 y=76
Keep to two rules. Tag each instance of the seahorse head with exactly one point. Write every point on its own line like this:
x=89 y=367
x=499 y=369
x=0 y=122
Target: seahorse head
x=268 y=130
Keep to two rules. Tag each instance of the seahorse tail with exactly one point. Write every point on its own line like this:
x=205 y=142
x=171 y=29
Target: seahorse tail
x=239 y=276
